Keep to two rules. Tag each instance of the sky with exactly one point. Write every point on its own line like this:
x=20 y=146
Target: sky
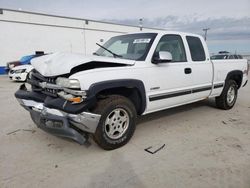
x=228 y=20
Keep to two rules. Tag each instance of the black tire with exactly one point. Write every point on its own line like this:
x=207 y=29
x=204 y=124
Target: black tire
x=222 y=101
x=108 y=107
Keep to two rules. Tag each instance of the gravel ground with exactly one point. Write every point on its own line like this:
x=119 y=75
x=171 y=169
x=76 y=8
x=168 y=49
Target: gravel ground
x=204 y=147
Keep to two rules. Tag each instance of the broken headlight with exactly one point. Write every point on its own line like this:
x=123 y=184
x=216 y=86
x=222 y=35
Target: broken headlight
x=70 y=90
x=68 y=83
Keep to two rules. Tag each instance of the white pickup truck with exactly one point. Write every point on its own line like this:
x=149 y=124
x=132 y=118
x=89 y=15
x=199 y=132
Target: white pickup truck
x=74 y=96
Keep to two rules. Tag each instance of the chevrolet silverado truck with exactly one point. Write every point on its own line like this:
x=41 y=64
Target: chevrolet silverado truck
x=101 y=95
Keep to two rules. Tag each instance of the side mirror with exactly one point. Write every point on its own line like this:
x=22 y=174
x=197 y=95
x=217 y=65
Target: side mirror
x=163 y=57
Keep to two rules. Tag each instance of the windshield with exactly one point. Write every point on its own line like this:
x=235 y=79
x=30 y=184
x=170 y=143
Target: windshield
x=219 y=57
x=132 y=46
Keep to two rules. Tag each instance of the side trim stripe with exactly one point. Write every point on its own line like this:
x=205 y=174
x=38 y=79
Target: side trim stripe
x=196 y=90
x=169 y=95
x=218 y=85
x=183 y=92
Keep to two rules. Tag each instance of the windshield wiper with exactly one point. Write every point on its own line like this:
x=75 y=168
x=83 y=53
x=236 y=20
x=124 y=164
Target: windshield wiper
x=96 y=54
x=114 y=54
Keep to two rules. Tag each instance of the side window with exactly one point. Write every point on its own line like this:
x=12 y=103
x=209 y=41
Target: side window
x=174 y=45
x=196 y=48
x=231 y=57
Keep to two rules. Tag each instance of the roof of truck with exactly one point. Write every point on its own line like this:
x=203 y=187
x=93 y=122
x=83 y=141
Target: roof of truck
x=166 y=32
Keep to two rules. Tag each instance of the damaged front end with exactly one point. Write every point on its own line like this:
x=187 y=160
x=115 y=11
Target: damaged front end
x=58 y=106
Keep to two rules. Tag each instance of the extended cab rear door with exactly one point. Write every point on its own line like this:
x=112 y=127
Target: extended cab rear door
x=200 y=65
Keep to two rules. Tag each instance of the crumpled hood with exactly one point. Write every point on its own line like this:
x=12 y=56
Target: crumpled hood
x=61 y=63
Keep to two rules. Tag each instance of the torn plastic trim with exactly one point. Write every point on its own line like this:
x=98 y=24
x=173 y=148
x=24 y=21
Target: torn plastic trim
x=151 y=151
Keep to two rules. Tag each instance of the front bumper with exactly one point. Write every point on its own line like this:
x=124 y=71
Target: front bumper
x=58 y=122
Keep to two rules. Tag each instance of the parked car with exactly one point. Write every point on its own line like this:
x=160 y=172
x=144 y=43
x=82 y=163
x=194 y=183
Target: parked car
x=20 y=73
x=23 y=61
x=130 y=75
x=225 y=55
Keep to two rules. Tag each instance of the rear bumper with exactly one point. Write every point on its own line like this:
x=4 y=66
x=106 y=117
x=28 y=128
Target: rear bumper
x=57 y=122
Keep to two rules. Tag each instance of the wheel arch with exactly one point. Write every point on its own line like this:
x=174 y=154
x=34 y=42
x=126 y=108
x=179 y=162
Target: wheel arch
x=130 y=88
x=235 y=75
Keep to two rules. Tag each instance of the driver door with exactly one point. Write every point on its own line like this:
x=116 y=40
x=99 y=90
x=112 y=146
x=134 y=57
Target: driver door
x=169 y=84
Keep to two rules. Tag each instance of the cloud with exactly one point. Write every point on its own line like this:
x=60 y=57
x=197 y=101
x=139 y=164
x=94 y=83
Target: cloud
x=220 y=29
x=130 y=9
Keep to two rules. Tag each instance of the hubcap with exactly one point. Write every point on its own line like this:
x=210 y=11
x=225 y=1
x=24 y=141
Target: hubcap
x=116 y=123
x=230 y=95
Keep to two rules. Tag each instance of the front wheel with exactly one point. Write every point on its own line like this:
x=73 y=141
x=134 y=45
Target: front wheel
x=117 y=123
x=228 y=96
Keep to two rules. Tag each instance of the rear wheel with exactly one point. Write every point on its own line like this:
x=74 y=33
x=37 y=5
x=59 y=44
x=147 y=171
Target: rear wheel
x=117 y=123
x=228 y=96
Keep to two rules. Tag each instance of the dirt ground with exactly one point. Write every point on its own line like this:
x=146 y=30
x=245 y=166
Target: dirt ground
x=204 y=147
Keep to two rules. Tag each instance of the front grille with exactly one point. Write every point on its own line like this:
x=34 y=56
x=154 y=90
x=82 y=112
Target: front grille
x=37 y=78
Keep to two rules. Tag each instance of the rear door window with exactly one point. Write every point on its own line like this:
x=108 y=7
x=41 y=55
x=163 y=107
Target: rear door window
x=196 y=48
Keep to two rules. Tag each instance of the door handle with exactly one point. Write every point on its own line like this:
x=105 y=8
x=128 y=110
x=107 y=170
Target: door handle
x=188 y=70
